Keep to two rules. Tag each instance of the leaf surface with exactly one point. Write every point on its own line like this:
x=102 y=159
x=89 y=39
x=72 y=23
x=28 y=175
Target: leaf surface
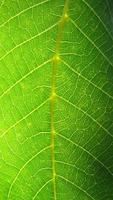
x=56 y=100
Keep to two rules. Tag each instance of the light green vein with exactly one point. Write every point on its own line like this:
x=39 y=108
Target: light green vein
x=95 y=13
x=105 y=57
x=75 y=185
x=23 y=118
x=88 y=152
x=87 y=114
x=23 y=11
x=23 y=167
x=86 y=79
x=24 y=77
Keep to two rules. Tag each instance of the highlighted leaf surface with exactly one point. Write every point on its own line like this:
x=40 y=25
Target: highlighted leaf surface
x=56 y=100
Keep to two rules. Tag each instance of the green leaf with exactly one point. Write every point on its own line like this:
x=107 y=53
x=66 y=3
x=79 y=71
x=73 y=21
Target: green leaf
x=56 y=100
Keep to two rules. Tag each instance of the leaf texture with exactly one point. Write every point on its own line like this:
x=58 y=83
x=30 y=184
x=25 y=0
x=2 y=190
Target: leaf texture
x=56 y=100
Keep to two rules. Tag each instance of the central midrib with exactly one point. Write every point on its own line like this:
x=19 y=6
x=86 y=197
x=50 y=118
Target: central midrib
x=55 y=62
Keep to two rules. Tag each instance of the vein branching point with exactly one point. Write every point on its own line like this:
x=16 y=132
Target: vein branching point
x=66 y=16
x=55 y=63
x=56 y=58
